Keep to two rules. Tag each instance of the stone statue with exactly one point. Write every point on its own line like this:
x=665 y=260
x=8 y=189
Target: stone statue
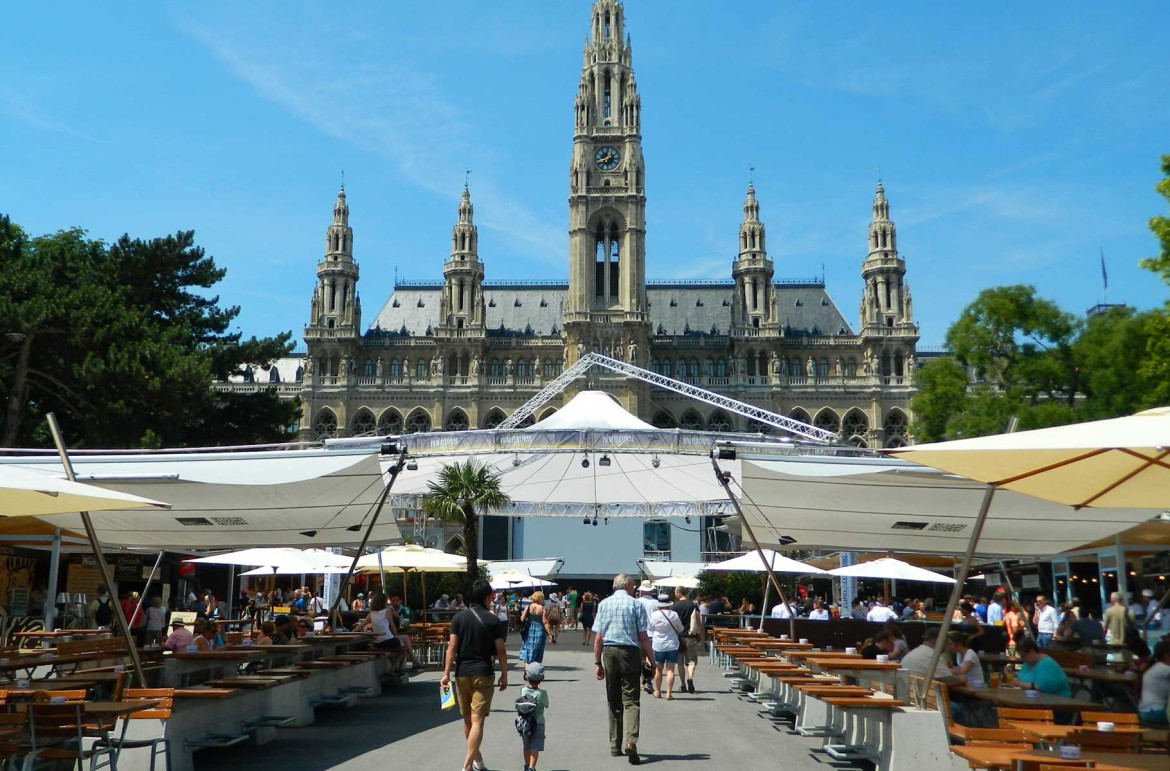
x=810 y=367
x=840 y=365
x=566 y=356
x=344 y=366
x=437 y=365
x=508 y=367
x=910 y=365
x=378 y=367
x=867 y=363
x=776 y=371
x=580 y=350
x=632 y=353
x=475 y=364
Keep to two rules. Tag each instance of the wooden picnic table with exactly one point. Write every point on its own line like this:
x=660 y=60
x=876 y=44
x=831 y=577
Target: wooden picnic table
x=99 y=709
x=1014 y=697
x=247 y=681
x=219 y=654
x=780 y=645
x=44 y=634
x=1006 y=758
x=1049 y=733
x=55 y=684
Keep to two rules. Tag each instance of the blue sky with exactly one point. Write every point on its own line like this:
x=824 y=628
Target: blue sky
x=1016 y=141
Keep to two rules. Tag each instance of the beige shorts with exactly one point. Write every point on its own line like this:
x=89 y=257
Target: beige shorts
x=691 y=653
x=475 y=694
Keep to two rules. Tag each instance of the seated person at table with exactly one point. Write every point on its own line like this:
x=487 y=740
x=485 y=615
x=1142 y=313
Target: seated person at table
x=209 y=638
x=1156 y=685
x=179 y=638
x=917 y=660
x=1088 y=629
x=267 y=630
x=304 y=627
x=967 y=665
x=880 y=645
x=1040 y=671
x=282 y=633
x=382 y=621
x=898 y=645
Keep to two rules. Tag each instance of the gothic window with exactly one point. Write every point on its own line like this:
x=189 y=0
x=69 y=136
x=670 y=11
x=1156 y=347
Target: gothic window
x=682 y=368
x=420 y=371
x=855 y=427
x=823 y=368
x=719 y=422
x=692 y=421
x=368 y=368
x=709 y=367
x=494 y=368
x=419 y=422
x=457 y=421
x=395 y=369
x=756 y=427
x=693 y=369
x=899 y=369
x=828 y=420
x=249 y=375
x=851 y=367
x=390 y=423
x=799 y=414
x=548 y=413
x=274 y=375
x=530 y=420
x=521 y=369
x=615 y=272
x=656 y=366
x=663 y=419
x=666 y=367
x=721 y=368
x=300 y=374
x=494 y=418
x=325 y=426
x=794 y=369
x=548 y=368
x=607 y=94
x=897 y=429
x=363 y=423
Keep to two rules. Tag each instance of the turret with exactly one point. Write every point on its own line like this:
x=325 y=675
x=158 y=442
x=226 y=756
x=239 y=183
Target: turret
x=755 y=298
x=886 y=301
x=462 y=305
x=336 y=304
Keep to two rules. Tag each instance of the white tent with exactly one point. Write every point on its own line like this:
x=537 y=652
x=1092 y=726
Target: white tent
x=883 y=503
x=664 y=569
x=507 y=580
x=233 y=499
x=751 y=563
x=679 y=579
x=283 y=561
x=33 y=493
x=592 y=410
x=541 y=568
x=894 y=569
x=412 y=558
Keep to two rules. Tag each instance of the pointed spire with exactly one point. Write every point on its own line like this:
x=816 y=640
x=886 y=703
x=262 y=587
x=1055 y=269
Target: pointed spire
x=466 y=210
x=341 y=208
x=881 y=207
x=751 y=207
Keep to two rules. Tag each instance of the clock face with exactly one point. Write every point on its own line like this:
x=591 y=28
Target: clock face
x=607 y=158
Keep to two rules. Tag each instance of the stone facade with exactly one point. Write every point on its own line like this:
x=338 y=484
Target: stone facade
x=465 y=352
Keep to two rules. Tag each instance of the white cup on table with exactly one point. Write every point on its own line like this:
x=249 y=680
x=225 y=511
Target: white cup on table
x=783 y=637
x=1031 y=693
x=851 y=651
x=804 y=641
x=1070 y=752
x=882 y=658
x=1105 y=726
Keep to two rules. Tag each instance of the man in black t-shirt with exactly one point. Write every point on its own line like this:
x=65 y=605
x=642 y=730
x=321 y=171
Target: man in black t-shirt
x=688 y=658
x=476 y=637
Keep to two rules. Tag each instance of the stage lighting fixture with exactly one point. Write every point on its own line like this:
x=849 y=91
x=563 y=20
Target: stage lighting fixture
x=585 y=462
x=605 y=461
x=595 y=521
x=655 y=462
x=411 y=465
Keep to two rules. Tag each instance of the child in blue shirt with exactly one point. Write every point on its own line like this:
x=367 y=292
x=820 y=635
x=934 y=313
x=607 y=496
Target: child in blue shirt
x=534 y=744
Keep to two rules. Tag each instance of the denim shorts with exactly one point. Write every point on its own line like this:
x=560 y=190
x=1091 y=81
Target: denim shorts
x=666 y=657
x=535 y=743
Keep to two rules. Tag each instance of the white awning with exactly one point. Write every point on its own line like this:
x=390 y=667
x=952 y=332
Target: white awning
x=878 y=503
x=540 y=568
x=665 y=569
x=592 y=410
x=233 y=499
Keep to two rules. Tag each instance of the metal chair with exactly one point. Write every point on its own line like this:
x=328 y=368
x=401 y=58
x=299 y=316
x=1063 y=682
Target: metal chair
x=162 y=711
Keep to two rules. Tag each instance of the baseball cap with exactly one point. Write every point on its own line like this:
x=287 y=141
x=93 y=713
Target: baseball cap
x=534 y=672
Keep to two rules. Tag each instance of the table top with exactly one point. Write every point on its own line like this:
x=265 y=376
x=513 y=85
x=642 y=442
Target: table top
x=35 y=686
x=1014 y=697
x=1102 y=675
x=855 y=665
x=290 y=648
x=117 y=708
x=982 y=756
x=219 y=654
x=45 y=634
x=1050 y=732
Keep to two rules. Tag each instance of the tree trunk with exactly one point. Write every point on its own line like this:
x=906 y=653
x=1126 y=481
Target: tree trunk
x=471 y=544
x=17 y=393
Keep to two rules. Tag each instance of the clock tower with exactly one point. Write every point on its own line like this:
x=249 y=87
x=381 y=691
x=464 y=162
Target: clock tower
x=606 y=309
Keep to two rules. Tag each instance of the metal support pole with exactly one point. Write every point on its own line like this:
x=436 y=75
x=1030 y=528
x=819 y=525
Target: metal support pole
x=334 y=614
x=50 y=609
x=724 y=478
x=145 y=589
x=1007 y=579
x=103 y=568
x=960 y=577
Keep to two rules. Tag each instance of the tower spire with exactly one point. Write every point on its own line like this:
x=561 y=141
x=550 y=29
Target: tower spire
x=887 y=296
x=462 y=304
x=755 y=297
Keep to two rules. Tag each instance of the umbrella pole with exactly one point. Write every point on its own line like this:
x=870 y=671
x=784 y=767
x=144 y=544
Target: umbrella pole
x=333 y=612
x=724 y=481
x=960 y=578
x=103 y=568
x=764 y=608
x=145 y=589
x=1012 y=590
x=424 y=591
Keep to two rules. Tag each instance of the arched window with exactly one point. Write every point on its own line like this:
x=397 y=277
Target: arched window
x=692 y=421
x=721 y=368
x=656 y=366
x=420 y=371
x=823 y=368
x=325 y=426
x=494 y=368
x=362 y=423
x=494 y=418
x=666 y=367
x=897 y=429
x=663 y=419
x=549 y=370
x=855 y=427
x=719 y=421
x=794 y=368
x=521 y=369
x=693 y=370
x=390 y=423
x=709 y=367
x=827 y=419
x=419 y=422
x=682 y=368
x=249 y=375
x=300 y=374
x=851 y=367
x=368 y=368
x=274 y=375
x=799 y=414
x=457 y=421
x=395 y=369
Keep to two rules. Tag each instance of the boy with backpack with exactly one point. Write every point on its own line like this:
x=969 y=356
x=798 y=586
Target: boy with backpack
x=530 y=709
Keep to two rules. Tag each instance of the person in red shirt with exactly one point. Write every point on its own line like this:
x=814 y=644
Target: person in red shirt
x=133 y=613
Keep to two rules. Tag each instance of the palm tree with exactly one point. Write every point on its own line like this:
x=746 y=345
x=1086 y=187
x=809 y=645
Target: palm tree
x=458 y=495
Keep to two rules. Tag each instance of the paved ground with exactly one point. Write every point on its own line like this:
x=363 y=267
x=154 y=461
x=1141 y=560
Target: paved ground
x=405 y=728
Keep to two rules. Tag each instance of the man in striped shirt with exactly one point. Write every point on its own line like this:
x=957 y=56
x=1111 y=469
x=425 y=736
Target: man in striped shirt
x=620 y=644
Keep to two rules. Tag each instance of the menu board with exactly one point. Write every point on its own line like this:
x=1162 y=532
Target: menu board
x=83 y=578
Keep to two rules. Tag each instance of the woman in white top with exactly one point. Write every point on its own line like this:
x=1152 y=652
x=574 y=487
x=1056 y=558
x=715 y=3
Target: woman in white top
x=1155 y=700
x=665 y=630
x=380 y=621
x=819 y=612
x=967 y=664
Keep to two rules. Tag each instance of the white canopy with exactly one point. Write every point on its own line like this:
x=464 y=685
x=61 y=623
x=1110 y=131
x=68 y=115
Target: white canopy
x=884 y=503
x=233 y=499
x=592 y=410
x=541 y=568
x=888 y=567
x=685 y=581
x=664 y=569
x=751 y=563
x=509 y=580
x=413 y=558
x=1121 y=462
x=36 y=493
x=282 y=561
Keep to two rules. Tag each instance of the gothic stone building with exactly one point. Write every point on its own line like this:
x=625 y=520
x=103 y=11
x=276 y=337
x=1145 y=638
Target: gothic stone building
x=464 y=351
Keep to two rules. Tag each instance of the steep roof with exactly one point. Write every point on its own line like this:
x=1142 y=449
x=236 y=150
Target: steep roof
x=676 y=308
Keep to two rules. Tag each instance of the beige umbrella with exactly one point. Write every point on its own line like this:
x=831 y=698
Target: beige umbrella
x=33 y=493
x=411 y=558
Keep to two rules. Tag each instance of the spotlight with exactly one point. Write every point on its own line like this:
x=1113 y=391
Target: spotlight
x=516 y=460
x=354 y=528
x=595 y=521
x=655 y=462
x=605 y=461
x=726 y=453
x=390 y=448
x=585 y=462
x=411 y=465
x=787 y=540
x=687 y=520
x=607 y=521
x=586 y=520
x=310 y=533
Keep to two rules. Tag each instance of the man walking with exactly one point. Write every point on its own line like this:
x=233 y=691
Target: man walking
x=620 y=645
x=649 y=599
x=688 y=658
x=476 y=637
x=574 y=601
x=1045 y=620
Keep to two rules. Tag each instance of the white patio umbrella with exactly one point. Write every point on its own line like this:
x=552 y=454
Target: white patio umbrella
x=685 y=581
x=33 y=493
x=893 y=569
x=753 y=562
x=506 y=579
x=284 y=560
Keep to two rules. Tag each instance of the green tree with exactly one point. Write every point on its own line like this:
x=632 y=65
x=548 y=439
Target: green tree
x=123 y=342
x=459 y=494
x=1155 y=368
x=1160 y=227
x=942 y=396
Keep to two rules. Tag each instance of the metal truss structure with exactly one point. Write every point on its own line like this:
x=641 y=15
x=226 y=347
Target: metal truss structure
x=581 y=509
x=590 y=360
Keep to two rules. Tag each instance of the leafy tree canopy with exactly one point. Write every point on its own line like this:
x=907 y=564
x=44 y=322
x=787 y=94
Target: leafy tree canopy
x=123 y=342
x=460 y=494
